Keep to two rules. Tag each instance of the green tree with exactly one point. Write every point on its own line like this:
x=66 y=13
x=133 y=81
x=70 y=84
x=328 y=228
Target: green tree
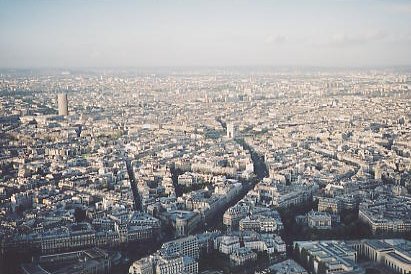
x=80 y=214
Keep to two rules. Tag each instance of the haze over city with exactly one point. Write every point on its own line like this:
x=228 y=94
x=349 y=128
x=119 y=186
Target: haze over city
x=205 y=137
x=204 y=33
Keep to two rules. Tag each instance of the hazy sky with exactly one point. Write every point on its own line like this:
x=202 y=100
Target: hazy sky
x=104 y=33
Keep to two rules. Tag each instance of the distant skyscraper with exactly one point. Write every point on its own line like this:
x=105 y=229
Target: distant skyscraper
x=62 y=104
x=230 y=130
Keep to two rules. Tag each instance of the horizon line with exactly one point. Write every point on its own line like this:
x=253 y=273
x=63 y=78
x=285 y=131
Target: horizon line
x=39 y=68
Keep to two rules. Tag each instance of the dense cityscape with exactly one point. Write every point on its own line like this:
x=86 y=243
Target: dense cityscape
x=216 y=170
x=205 y=137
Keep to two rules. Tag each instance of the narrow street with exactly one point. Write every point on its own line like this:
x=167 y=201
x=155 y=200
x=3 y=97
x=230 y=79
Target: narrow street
x=133 y=183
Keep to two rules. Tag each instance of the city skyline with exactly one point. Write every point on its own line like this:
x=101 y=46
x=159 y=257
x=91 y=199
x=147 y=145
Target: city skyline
x=205 y=137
